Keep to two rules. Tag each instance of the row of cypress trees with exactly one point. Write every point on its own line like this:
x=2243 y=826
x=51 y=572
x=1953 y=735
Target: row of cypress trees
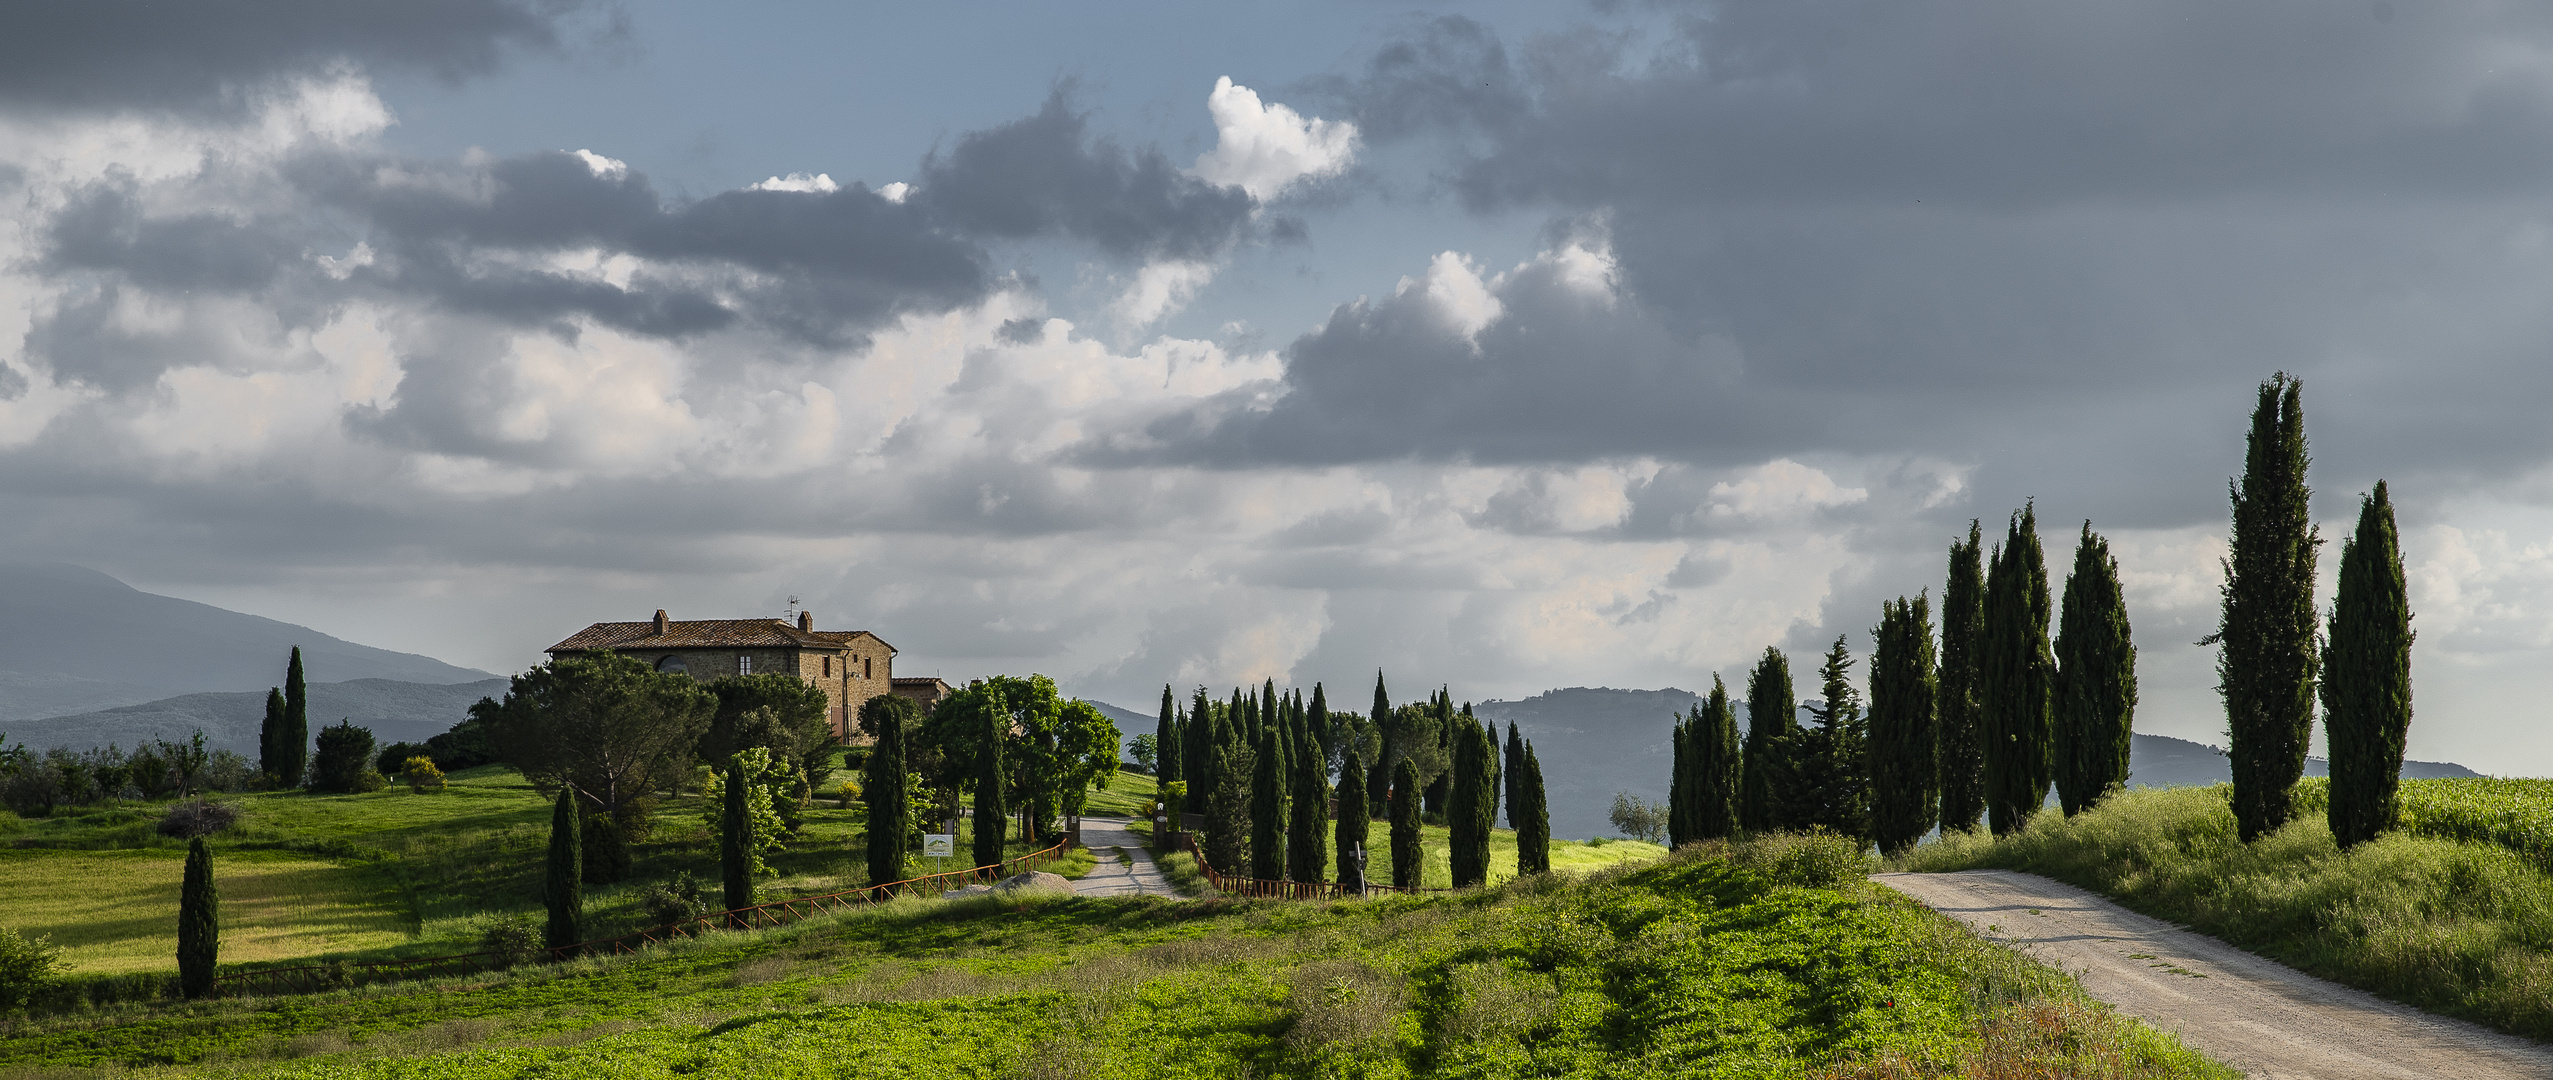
x=283 y=740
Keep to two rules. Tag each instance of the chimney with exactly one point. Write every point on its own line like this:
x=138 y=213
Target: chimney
x=661 y=622
x=807 y=621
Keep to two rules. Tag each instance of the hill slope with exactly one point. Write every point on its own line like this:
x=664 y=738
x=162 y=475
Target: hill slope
x=74 y=640
x=395 y=711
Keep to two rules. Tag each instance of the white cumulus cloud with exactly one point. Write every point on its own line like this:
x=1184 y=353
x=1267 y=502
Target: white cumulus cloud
x=1262 y=148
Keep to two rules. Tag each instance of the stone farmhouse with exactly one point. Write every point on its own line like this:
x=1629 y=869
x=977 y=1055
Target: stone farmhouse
x=850 y=666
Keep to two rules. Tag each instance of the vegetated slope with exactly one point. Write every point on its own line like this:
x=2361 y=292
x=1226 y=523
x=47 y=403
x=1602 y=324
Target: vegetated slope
x=2452 y=926
x=395 y=711
x=1769 y=960
x=2163 y=761
x=75 y=640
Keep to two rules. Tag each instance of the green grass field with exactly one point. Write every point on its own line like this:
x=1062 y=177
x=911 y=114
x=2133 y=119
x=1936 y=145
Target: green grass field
x=1771 y=960
x=2455 y=926
x=116 y=911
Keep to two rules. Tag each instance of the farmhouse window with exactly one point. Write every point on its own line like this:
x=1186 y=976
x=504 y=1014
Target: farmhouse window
x=864 y=668
x=828 y=667
x=744 y=665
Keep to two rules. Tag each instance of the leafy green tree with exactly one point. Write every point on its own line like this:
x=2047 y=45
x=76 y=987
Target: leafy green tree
x=1717 y=768
x=775 y=710
x=887 y=718
x=1307 y=851
x=1267 y=806
x=293 y=737
x=607 y=725
x=1084 y=743
x=344 y=762
x=563 y=888
x=1768 y=786
x=2096 y=680
x=1469 y=813
x=736 y=839
x=1962 y=753
x=2018 y=681
x=1533 y=823
x=1353 y=824
x=1903 y=695
x=199 y=923
x=1408 y=856
x=2267 y=668
x=2367 y=678
x=1228 y=823
x=270 y=742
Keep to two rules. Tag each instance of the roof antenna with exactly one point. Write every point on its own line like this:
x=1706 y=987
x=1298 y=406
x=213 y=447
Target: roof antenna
x=793 y=607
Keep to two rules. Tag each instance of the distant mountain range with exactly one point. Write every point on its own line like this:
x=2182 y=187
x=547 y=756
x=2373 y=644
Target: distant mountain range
x=73 y=640
x=395 y=711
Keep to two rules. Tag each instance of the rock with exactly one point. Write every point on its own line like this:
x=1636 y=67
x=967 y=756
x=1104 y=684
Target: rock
x=1038 y=880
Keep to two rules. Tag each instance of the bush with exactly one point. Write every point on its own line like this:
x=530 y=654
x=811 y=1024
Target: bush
x=513 y=938
x=344 y=761
x=26 y=967
x=1638 y=818
x=32 y=791
x=225 y=771
x=195 y=817
x=393 y=759
x=1816 y=860
x=421 y=775
x=680 y=900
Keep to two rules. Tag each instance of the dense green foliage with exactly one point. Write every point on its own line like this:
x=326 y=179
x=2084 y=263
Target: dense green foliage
x=991 y=779
x=736 y=839
x=1352 y=822
x=272 y=757
x=1834 y=755
x=1717 y=767
x=1682 y=763
x=887 y=719
x=1470 y=811
x=1956 y=703
x=2366 y=687
x=563 y=885
x=344 y=763
x=1533 y=820
x=1267 y=806
x=1904 y=784
x=292 y=736
x=2514 y=814
x=2453 y=927
x=1169 y=765
x=1768 y=786
x=2096 y=679
x=1407 y=856
x=1227 y=832
x=610 y=726
x=199 y=922
x=775 y=710
x=1511 y=757
x=2016 y=676
x=2267 y=666
x=28 y=966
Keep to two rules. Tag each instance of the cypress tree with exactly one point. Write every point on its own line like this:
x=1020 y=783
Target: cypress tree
x=1378 y=784
x=199 y=923
x=882 y=787
x=1165 y=738
x=1835 y=785
x=270 y=738
x=1680 y=776
x=2096 y=679
x=1197 y=740
x=1468 y=810
x=736 y=840
x=1533 y=831
x=1318 y=719
x=294 y=736
x=2018 y=678
x=1956 y=706
x=1716 y=767
x=992 y=819
x=2367 y=681
x=1267 y=807
x=1903 y=696
x=1442 y=786
x=1307 y=851
x=1352 y=824
x=1766 y=786
x=1408 y=857
x=1512 y=779
x=563 y=891
x=1228 y=812
x=2267 y=668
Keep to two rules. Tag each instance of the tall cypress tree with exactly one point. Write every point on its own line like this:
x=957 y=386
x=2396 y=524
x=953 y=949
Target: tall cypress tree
x=1378 y=782
x=1267 y=807
x=294 y=736
x=270 y=738
x=1835 y=783
x=1408 y=856
x=992 y=819
x=563 y=889
x=1307 y=850
x=1514 y=753
x=199 y=923
x=1442 y=786
x=890 y=806
x=2267 y=668
x=1468 y=812
x=1228 y=811
x=2018 y=681
x=1680 y=776
x=1197 y=739
x=1353 y=823
x=1318 y=718
x=1956 y=705
x=2367 y=677
x=1716 y=767
x=1165 y=738
x=1533 y=827
x=1766 y=787
x=2096 y=679
x=1903 y=696
x=736 y=840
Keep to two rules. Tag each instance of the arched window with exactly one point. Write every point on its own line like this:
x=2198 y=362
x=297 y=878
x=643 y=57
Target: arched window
x=673 y=665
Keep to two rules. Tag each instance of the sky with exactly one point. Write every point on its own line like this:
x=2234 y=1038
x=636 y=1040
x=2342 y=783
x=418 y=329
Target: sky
x=1501 y=347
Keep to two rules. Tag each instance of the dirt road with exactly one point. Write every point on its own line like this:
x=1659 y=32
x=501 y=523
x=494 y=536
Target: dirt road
x=2262 y=1017
x=1110 y=838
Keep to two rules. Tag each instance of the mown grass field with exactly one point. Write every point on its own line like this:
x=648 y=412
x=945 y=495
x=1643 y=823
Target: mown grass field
x=116 y=911
x=2456 y=926
x=1770 y=960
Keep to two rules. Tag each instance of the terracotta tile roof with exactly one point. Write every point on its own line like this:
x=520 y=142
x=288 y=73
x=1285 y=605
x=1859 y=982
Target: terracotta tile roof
x=702 y=634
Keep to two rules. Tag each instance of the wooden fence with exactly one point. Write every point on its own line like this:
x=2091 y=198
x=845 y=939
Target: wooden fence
x=1236 y=885
x=310 y=978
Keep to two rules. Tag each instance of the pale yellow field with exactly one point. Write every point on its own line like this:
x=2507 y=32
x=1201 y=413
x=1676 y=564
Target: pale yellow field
x=116 y=911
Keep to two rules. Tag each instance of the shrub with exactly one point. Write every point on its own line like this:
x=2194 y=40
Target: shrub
x=26 y=967
x=32 y=791
x=680 y=900
x=513 y=938
x=344 y=761
x=190 y=818
x=393 y=759
x=421 y=775
x=1815 y=860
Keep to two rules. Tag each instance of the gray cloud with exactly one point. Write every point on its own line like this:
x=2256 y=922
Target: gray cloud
x=1046 y=176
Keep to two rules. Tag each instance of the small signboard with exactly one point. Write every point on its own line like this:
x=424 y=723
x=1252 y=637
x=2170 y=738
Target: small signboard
x=938 y=845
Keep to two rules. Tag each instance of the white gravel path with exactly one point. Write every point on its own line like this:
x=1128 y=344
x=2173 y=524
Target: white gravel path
x=1110 y=877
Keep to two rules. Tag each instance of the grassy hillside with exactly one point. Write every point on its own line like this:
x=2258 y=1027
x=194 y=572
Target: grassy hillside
x=1774 y=960
x=2461 y=927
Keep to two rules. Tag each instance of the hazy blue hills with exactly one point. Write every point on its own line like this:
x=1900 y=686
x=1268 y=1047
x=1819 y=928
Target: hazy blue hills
x=395 y=711
x=73 y=640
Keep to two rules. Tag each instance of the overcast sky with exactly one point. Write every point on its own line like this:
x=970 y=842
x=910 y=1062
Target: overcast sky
x=1498 y=346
